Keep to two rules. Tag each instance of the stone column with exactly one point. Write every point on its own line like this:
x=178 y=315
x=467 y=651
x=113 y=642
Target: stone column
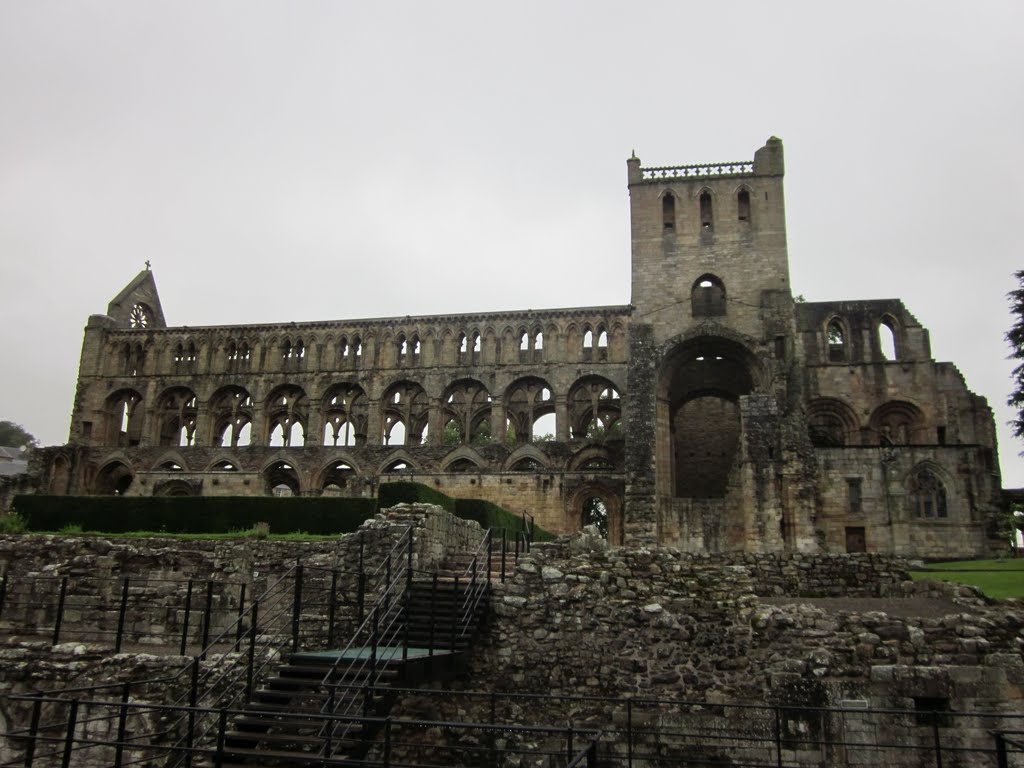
x=561 y=418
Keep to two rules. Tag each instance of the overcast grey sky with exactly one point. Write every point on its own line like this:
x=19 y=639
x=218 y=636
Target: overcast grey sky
x=321 y=160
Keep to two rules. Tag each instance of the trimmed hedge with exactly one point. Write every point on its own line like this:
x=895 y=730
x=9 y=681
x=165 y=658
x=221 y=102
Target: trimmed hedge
x=195 y=514
x=490 y=515
x=321 y=515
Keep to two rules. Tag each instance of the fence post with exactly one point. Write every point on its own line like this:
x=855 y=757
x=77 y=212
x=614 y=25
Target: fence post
x=387 y=584
x=374 y=639
x=3 y=593
x=69 y=740
x=193 y=697
x=207 y=611
x=408 y=562
x=451 y=625
x=406 y=620
x=120 y=616
x=504 y=549
x=184 y=621
x=59 y=618
x=629 y=733
x=328 y=727
x=1001 y=758
x=568 y=743
x=493 y=740
x=778 y=737
x=241 y=614
x=252 y=649
x=361 y=596
x=490 y=539
x=433 y=622
x=122 y=725
x=33 y=731
x=222 y=726
x=935 y=737
x=330 y=607
x=297 y=607
x=387 y=743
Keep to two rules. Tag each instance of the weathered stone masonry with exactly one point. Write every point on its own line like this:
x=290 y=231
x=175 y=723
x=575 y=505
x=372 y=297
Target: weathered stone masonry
x=714 y=412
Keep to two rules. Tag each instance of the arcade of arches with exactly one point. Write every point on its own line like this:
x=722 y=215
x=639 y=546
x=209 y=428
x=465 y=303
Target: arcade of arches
x=712 y=412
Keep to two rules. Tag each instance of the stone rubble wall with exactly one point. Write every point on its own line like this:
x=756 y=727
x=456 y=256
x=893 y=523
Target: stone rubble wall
x=158 y=570
x=28 y=665
x=579 y=620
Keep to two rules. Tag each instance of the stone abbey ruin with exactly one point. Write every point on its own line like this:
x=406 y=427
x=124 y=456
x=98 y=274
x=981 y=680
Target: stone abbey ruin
x=712 y=413
x=768 y=465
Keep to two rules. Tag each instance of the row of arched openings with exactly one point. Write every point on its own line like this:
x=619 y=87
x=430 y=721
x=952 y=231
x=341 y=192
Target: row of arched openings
x=837 y=339
x=282 y=478
x=467 y=415
x=591 y=342
x=705 y=209
x=832 y=423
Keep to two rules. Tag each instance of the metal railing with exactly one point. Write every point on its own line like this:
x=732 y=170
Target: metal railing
x=650 y=731
x=399 y=742
x=230 y=663
x=131 y=609
x=360 y=667
x=631 y=733
x=292 y=610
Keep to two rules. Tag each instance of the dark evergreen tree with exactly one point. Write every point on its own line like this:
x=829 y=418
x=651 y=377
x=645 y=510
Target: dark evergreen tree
x=1015 y=336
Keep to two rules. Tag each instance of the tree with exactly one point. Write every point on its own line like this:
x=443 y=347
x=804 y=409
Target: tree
x=15 y=436
x=1015 y=337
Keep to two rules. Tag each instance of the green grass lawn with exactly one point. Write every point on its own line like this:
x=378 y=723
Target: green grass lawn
x=996 y=578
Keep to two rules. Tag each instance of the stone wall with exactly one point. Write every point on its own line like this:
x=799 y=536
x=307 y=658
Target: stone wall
x=159 y=571
x=662 y=624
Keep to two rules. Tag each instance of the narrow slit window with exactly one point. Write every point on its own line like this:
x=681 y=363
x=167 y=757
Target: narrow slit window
x=706 y=216
x=743 y=205
x=668 y=211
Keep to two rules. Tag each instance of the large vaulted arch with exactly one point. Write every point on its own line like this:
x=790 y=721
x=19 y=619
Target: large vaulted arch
x=699 y=426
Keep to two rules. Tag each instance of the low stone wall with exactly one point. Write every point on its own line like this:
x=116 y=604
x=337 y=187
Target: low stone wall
x=660 y=624
x=159 y=610
x=822 y=575
x=164 y=567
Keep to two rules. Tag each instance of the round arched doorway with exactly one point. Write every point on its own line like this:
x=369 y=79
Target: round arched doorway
x=699 y=425
x=601 y=507
x=114 y=479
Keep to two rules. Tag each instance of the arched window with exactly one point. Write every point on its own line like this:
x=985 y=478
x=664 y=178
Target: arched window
x=836 y=342
x=707 y=221
x=743 y=205
x=595 y=513
x=707 y=297
x=668 y=211
x=887 y=338
x=927 y=496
